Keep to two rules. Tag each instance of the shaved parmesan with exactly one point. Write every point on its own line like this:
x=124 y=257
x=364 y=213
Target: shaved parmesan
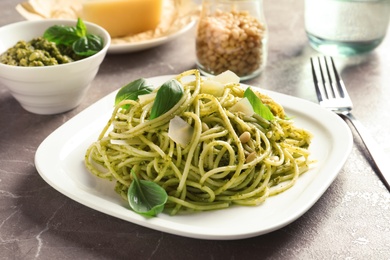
x=118 y=142
x=216 y=85
x=147 y=97
x=212 y=87
x=227 y=77
x=180 y=131
x=243 y=106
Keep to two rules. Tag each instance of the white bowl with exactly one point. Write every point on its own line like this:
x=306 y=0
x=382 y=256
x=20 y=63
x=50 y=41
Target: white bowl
x=49 y=89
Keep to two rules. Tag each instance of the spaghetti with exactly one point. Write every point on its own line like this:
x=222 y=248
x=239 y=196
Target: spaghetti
x=230 y=159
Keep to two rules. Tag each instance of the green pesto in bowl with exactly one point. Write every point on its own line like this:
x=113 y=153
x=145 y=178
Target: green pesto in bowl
x=38 y=52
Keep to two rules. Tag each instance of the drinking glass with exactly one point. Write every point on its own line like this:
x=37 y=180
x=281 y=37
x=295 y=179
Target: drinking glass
x=346 y=27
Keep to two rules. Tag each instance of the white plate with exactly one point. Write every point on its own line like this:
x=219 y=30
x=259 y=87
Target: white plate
x=59 y=160
x=147 y=44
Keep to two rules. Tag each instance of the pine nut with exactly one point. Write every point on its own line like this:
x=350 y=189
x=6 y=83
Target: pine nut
x=251 y=157
x=245 y=137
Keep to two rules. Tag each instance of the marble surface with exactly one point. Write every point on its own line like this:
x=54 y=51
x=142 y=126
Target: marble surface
x=350 y=221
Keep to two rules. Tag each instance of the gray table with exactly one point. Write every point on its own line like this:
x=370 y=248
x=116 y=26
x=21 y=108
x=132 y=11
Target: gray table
x=350 y=221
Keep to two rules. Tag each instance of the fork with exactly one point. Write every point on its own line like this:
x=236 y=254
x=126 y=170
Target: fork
x=332 y=94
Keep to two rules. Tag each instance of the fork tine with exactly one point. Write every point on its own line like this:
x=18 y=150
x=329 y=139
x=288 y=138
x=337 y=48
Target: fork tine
x=342 y=91
x=322 y=78
x=324 y=82
x=327 y=81
x=330 y=78
x=339 y=81
x=313 y=72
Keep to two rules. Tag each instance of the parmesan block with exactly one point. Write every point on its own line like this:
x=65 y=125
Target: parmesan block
x=123 y=17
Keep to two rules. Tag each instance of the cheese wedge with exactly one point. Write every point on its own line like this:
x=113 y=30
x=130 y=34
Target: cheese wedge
x=123 y=17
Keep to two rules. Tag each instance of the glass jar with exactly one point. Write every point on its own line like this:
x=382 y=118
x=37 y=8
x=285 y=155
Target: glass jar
x=346 y=27
x=232 y=35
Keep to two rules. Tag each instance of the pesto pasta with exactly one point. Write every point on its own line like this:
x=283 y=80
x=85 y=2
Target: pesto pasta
x=230 y=158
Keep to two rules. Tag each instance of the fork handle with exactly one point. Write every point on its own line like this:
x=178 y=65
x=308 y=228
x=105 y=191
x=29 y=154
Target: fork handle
x=377 y=154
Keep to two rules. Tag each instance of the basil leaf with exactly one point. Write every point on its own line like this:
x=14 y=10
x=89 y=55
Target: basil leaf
x=60 y=34
x=81 y=29
x=258 y=106
x=83 y=43
x=167 y=97
x=132 y=90
x=146 y=197
x=88 y=46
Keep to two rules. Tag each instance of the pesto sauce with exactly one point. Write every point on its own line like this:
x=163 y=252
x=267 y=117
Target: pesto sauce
x=38 y=52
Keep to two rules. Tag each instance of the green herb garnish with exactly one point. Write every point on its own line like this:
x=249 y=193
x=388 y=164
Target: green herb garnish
x=132 y=90
x=82 y=43
x=167 y=97
x=146 y=197
x=258 y=106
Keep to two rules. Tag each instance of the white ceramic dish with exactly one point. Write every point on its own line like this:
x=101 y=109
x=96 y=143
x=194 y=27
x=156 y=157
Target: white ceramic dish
x=147 y=44
x=59 y=160
x=49 y=89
